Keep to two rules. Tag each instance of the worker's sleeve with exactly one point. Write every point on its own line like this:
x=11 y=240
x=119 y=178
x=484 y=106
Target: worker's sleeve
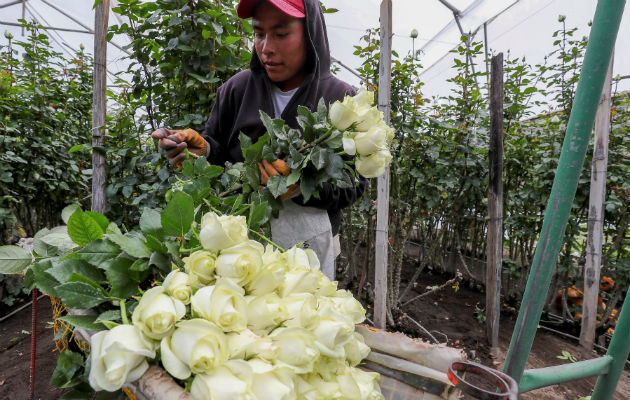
x=216 y=132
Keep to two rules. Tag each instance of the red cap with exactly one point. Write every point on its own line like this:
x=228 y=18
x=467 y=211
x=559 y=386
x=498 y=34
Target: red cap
x=294 y=8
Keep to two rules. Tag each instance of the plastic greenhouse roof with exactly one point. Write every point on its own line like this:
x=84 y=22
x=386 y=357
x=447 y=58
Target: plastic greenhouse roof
x=523 y=27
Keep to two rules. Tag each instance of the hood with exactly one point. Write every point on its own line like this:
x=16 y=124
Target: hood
x=318 y=52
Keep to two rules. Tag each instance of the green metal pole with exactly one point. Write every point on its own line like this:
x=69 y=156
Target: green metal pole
x=600 y=46
x=619 y=349
x=542 y=377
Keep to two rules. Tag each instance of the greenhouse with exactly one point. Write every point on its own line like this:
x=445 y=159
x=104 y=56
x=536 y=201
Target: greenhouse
x=314 y=199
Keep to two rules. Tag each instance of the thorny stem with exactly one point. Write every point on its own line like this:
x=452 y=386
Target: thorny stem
x=318 y=140
x=191 y=250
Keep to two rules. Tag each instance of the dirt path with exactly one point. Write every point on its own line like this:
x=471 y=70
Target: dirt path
x=451 y=314
x=15 y=355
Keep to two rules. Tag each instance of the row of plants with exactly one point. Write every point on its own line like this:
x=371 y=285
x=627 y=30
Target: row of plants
x=438 y=188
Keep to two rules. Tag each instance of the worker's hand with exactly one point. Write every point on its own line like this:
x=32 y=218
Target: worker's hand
x=173 y=142
x=277 y=167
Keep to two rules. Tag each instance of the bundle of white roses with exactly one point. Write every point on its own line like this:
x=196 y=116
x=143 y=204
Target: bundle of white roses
x=366 y=134
x=242 y=322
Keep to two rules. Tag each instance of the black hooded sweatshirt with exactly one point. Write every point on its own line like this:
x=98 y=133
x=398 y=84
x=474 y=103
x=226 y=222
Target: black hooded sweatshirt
x=238 y=101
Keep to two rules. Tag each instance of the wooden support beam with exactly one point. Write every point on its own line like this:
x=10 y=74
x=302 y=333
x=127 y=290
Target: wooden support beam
x=596 y=216
x=382 y=217
x=495 y=204
x=99 y=110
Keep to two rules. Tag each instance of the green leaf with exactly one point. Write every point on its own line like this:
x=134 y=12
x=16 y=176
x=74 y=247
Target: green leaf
x=173 y=250
x=335 y=141
x=98 y=252
x=111 y=315
x=131 y=245
x=113 y=228
x=80 y=295
x=42 y=279
x=277 y=185
x=161 y=261
x=178 y=215
x=13 y=259
x=75 y=148
x=259 y=215
x=150 y=222
x=83 y=229
x=140 y=265
x=307 y=186
x=121 y=279
x=319 y=157
x=100 y=218
x=68 y=210
x=57 y=241
x=68 y=363
x=83 y=321
x=335 y=166
x=231 y=39
x=156 y=244
x=64 y=270
x=80 y=278
x=293 y=177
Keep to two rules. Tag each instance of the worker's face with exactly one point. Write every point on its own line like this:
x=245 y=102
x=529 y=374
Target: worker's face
x=280 y=45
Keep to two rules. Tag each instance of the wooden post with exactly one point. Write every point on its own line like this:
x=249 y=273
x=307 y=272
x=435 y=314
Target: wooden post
x=99 y=111
x=382 y=217
x=495 y=205
x=596 y=216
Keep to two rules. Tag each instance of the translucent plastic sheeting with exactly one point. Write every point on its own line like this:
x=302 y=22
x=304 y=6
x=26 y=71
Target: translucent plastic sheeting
x=79 y=15
x=525 y=30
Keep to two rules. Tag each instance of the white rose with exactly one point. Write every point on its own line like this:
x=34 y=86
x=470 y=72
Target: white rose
x=345 y=303
x=223 y=304
x=200 y=267
x=370 y=141
x=349 y=147
x=299 y=280
x=157 y=313
x=230 y=381
x=364 y=98
x=302 y=310
x=356 y=350
x=323 y=389
x=265 y=312
x=272 y=382
x=299 y=258
x=368 y=117
x=270 y=276
x=333 y=331
x=177 y=285
x=359 y=384
x=246 y=344
x=329 y=367
x=241 y=262
x=296 y=349
x=326 y=287
x=118 y=357
x=373 y=165
x=197 y=346
x=220 y=232
x=343 y=114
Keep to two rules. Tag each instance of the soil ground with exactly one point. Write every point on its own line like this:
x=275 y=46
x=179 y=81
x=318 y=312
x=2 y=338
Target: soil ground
x=15 y=355
x=449 y=315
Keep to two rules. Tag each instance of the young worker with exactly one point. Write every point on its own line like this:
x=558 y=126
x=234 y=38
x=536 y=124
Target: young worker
x=290 y=66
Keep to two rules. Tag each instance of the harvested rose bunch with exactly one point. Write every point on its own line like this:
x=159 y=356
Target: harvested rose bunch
x=242 y=321
x=366 y=134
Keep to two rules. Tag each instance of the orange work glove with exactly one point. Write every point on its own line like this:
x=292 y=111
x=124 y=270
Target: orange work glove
x=173 y=142
x=277 y=167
